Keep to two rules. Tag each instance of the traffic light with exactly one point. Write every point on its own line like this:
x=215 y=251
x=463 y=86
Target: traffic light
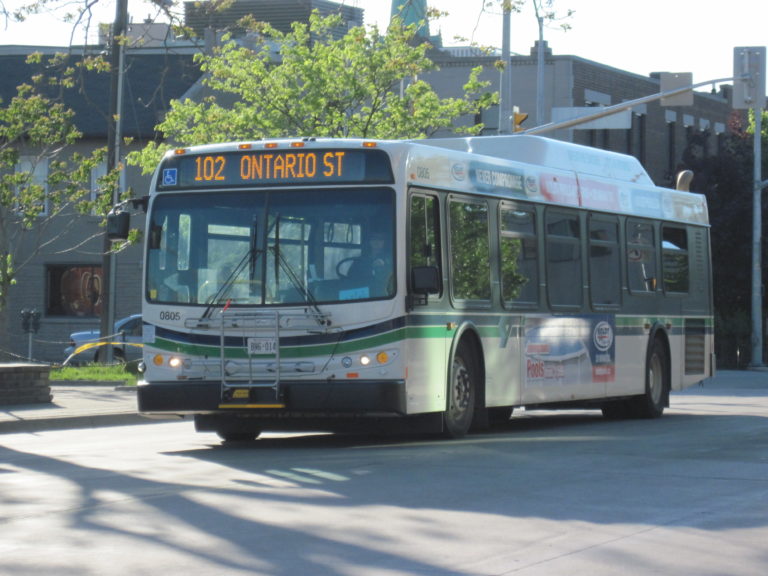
x=518 y=118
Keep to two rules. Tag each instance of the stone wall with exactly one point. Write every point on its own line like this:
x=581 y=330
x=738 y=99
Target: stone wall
x=24 y=384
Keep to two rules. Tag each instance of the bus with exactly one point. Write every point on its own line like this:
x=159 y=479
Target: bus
x=329 y=284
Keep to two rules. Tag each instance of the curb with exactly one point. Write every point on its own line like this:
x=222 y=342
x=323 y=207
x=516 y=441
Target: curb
x=72 y=422
x=118 y=384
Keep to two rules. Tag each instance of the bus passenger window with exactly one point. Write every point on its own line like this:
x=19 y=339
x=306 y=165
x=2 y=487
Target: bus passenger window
x=564 y=279
x=674 y=262
x=641 y=257
x=519 y=256
x=470 y=251
x=604 y=269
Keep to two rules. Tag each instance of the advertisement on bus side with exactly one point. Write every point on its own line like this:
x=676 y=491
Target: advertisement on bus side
x=565 y=349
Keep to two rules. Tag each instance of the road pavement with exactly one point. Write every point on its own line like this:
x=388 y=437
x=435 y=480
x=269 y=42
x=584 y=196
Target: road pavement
x=87 y=406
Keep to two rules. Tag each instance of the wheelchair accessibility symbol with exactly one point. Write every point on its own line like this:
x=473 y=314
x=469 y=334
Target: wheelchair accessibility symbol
x=170 y=177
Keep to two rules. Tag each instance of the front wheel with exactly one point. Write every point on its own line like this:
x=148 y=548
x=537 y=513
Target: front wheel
x=238 y=436
x=462 y=394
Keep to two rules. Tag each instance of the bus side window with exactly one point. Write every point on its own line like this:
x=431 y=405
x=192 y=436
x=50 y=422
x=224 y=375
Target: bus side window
x=564 y=278
x=674 y=262
x=604 y=268
x=519 y=256
x=424 y=243
x=641 y=257
x=470 y=251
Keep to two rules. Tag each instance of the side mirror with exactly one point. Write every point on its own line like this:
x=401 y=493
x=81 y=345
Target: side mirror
x=118 y=225
x=425 y=280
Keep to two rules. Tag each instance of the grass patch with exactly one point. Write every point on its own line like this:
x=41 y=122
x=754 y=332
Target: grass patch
x=96 y=372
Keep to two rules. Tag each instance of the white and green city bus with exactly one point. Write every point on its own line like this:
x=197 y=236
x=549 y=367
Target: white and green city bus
x=329 y=283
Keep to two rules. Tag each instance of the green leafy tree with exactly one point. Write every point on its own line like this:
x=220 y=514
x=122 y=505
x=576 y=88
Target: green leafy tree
x=363 y=84
x=40 y=180
x=727 y=179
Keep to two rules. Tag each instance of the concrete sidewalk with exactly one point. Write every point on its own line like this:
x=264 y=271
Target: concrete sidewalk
x=83 y=406
x=74 y=406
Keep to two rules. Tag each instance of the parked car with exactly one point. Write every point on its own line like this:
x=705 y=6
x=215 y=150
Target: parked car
x=126 y=340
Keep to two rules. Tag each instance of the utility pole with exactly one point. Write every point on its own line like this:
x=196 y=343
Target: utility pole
x=540 y=53
x=749 y=93
x=108 y=266
x=505 y=78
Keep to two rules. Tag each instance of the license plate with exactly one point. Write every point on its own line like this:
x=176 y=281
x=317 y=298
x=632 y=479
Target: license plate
x=261 y=346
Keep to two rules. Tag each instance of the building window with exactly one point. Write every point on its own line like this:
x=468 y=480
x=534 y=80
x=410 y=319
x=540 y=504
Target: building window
x=97 y=173
x=73 y=290
x=37 y=168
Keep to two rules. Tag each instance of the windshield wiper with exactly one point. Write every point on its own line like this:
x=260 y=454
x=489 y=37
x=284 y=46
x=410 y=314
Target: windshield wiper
x=295 y=279
x=250 y=258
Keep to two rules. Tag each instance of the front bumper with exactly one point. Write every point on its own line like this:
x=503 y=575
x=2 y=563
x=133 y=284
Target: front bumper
x=310 y=398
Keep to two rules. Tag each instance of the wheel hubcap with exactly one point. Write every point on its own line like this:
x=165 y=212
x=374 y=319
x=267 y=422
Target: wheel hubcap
x=655 y=379
x=461 y=388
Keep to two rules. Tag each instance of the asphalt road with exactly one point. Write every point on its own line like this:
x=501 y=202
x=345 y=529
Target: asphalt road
x=549 y=493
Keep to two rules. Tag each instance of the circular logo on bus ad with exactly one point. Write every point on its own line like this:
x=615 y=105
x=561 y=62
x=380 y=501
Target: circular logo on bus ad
x=603 y=336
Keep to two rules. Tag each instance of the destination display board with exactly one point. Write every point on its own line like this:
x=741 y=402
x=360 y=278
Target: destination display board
x=247 y=168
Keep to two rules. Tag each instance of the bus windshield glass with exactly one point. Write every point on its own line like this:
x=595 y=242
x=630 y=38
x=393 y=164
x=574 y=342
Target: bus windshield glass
x=287 y=247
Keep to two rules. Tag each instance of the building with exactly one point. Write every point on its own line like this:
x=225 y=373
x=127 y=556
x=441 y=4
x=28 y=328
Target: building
x=59 y=262
x=657 y=135
x=63 y=284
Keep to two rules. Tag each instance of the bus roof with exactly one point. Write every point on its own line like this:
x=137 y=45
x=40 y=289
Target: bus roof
x=552 y=154
x=540 y=169
x=521 y=167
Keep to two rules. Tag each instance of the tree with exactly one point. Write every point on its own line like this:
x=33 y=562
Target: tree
x=726 y=180
x=363 y=84
x=40 y=179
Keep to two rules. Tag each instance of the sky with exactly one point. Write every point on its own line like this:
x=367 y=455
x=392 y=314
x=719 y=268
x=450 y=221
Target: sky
x=639 y=37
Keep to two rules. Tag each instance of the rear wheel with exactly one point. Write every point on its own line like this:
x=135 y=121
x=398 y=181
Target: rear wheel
x=462 y=394
x=652 y=403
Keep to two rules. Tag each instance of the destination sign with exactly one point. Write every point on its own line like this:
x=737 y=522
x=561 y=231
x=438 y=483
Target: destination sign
x=270 y=167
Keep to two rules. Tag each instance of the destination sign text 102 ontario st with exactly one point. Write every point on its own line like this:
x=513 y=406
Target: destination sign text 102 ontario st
x=268 y=167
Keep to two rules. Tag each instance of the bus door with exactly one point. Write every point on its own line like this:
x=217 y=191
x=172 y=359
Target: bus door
x=428 y=337
x=519 y=282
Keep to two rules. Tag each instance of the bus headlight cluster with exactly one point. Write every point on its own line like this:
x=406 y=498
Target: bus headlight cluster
x=171 y=361
x=369 y=359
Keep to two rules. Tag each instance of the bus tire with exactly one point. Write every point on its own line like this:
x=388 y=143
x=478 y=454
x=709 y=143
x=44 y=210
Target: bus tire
x=238 y=436
x=462 y=393
x=652 y=403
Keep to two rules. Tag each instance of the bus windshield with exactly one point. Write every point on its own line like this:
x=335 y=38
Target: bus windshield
x=287 y=247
